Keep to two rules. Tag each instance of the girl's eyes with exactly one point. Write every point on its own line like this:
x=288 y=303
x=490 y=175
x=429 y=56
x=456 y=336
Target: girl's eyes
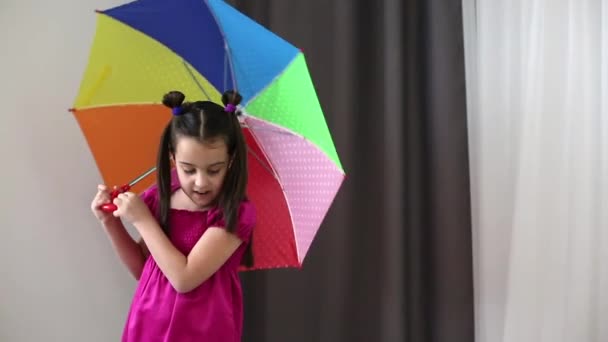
x=189 y=172
x=213 y=172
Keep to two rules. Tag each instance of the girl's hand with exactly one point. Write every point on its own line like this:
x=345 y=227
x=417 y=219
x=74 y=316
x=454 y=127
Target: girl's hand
x=102 y=197
x=131 y=208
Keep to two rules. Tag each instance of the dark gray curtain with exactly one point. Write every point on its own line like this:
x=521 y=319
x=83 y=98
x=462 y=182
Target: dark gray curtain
x=393 y=260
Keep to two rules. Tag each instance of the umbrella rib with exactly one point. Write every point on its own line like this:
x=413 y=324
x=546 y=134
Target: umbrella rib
x=226 y=71
x=195 y=80
x=88 y=107
x=264 y=88
x=281 y=130
x=266 y=167
x=226 y=47
x=277 y=177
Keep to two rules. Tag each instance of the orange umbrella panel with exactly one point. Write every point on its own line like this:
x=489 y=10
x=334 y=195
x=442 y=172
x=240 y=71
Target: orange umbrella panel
x=124 y=140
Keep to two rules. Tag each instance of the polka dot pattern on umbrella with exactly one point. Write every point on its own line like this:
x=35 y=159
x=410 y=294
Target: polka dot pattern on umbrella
x=309 y=178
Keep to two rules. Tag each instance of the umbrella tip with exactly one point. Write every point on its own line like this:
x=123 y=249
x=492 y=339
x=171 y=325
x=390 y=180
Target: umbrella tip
x=71 y=109
x=98 y=11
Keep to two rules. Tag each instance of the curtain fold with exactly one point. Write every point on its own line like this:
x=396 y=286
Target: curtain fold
x=393 y=259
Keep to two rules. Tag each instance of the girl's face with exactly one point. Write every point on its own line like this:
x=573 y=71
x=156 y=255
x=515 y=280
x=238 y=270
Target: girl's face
x=201 y=169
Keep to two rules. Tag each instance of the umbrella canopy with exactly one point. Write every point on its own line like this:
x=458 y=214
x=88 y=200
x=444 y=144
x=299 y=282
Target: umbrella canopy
x=145 y=48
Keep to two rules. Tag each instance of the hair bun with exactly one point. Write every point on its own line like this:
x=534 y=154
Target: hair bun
x=231 y=97
x=173 y=99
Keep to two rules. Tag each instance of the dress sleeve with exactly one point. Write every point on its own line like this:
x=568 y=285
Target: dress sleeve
x=245 y=221
x=150 y=196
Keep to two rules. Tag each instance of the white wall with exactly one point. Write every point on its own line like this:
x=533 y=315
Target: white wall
x=59 y=278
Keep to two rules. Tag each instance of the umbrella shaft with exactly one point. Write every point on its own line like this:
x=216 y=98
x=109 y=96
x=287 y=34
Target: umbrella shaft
x=136 y=180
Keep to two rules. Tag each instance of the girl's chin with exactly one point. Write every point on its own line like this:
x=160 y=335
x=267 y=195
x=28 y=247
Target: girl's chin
x=201 y=200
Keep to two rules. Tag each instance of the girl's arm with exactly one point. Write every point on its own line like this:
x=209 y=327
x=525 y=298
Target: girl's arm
x=185 y=273
x=132 y=254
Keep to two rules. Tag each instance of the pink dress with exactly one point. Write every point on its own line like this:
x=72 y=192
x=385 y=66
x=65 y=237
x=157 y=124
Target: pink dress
x=211 y=312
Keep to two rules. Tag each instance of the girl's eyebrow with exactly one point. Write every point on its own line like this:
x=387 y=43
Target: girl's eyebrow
x=190 y=164
x=216 y=164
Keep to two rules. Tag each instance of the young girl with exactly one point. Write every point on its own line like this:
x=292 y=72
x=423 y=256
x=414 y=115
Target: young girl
x=195 y=226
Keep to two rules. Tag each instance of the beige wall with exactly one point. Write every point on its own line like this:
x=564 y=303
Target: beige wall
x=59 y=279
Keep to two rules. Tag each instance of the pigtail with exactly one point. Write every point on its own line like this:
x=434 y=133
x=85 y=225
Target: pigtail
x=173 y=100
x=163 y=169
x=235 y=183
x=236 y=180
x=240 y=161
x=231 y=99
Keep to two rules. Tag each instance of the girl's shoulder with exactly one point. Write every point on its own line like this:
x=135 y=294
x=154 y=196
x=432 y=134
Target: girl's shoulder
x=246 y=219
x=246 y=213
x=150 y=196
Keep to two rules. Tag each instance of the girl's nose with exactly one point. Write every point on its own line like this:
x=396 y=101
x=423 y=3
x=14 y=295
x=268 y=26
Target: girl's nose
x=200 y=180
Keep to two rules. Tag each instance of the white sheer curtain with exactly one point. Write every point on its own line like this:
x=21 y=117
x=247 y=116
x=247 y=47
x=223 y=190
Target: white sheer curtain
x=537 y=102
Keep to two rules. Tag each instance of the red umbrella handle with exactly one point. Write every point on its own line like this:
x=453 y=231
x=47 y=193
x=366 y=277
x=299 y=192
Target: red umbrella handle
x=110 y=206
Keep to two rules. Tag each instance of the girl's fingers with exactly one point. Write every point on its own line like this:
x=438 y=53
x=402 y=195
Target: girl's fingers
x=117 y=200
x=102 y=197
x=101 y=189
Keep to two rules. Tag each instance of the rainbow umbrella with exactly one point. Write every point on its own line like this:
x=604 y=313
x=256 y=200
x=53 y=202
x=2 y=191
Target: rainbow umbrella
x=145 y=48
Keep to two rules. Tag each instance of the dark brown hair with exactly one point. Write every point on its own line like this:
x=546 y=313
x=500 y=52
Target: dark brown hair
x=205 y=121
